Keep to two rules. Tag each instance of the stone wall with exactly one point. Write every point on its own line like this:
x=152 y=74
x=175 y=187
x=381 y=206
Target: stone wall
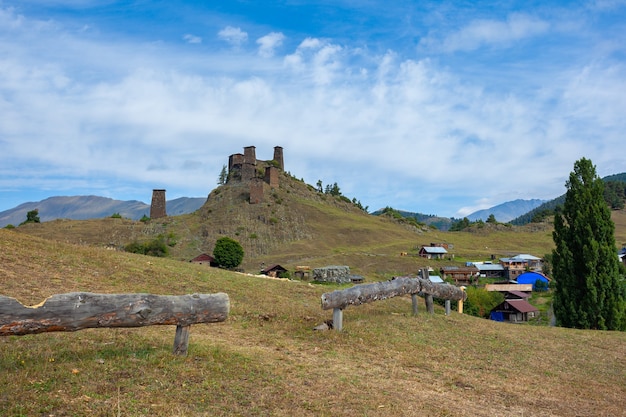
x=335 y=274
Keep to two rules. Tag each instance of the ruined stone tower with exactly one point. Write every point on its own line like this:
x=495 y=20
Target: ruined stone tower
x=278 y=157
x=248 y=169
x=157 y=207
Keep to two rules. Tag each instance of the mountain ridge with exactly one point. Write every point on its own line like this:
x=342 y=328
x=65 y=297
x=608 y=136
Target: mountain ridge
x=93 y=207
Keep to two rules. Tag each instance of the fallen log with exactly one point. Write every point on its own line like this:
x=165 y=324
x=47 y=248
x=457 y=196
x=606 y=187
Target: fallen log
x=81 y=310
x=366 y=293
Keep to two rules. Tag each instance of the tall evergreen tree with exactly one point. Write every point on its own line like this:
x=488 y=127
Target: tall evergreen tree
x=589 y=292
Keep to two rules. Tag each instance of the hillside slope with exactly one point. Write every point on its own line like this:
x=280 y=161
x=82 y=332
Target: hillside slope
x=265 y=359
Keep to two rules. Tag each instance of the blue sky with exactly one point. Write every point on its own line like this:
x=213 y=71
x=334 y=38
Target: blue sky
x=442 y=107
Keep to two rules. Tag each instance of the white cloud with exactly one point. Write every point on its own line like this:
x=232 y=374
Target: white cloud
x=189 y=38
x=488 y=32
x=269 y=42
x=234 y=36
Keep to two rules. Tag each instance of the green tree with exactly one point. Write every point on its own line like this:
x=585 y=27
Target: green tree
x=32 y=217
x=223 y=177
x=588 y=292
x=492 y=219
x=228 y=253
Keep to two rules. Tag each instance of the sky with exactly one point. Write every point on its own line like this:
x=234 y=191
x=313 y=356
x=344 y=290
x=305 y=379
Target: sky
x=436 y=107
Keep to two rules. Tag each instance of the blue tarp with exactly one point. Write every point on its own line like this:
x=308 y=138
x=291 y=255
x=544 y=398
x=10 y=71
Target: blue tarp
x=496 y=316
x=531 y=278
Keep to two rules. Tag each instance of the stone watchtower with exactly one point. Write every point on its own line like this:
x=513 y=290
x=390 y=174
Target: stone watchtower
x=157 y=208
x=248 y=169
x=278 y=157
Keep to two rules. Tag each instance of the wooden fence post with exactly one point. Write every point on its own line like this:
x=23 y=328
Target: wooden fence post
x=461 y=301
x=430 y=305
x=181 y=340
x=337 y=319
x=414 y=304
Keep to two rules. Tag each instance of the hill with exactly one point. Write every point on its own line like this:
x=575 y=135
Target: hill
x=93 y=207
x=265 y=359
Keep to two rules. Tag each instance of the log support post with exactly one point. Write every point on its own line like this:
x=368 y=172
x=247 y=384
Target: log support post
x=337 y=319
x=414 y=304
x=181 y=340
x=460 y=307
x=447 y=307
x=430 y=305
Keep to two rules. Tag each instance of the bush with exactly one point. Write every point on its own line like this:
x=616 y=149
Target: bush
x=228 y=253
x=156 y=247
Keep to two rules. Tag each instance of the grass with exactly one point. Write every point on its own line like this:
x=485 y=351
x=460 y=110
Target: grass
x=265 y=359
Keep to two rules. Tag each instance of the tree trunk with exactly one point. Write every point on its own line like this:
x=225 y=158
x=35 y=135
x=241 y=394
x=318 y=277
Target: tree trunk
x=80 y=310
x=366 y=293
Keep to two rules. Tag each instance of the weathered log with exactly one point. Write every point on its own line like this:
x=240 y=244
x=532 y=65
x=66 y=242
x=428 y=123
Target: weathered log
x=366 y=293
x=81 y=310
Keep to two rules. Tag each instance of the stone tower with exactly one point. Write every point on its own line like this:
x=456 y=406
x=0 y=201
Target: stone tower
x=248 y=170
x=278 y=157
x=157 y=208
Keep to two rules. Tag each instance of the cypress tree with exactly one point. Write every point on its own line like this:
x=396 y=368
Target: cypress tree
x=589 y=292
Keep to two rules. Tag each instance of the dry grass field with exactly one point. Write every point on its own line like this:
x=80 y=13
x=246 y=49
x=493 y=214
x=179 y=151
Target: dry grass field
x=265 y=359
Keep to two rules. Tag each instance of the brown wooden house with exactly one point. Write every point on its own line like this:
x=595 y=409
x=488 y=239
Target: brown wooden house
x=204 y=259
x=464 y=275
x=514 y=311
x=273 y=271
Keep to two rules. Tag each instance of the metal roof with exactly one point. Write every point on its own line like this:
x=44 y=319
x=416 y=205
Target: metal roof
x=434 y=249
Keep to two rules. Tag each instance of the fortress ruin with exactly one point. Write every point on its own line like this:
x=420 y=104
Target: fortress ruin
x=245 y=168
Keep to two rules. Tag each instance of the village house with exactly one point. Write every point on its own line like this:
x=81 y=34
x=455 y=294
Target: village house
x=204 y=259
x=514 y=311
x=274 y=271
x=466 y=275
x=432 y=252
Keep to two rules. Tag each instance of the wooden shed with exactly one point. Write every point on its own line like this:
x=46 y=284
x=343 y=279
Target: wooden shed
x=204 y=259
x=273 y=271
x=514 y=311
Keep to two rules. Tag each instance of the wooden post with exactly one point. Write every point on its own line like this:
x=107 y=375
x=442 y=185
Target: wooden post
x=461 y=301
x=447 y=307
x=337 y=319
x=414 y=304
x=430 y=305
x=181 y=340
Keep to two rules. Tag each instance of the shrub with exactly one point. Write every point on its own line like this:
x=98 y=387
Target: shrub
x=228 y=253
x=156 y=247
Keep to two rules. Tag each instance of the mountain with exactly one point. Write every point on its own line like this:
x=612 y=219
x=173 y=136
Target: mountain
x=93 y=207
x=508 y=211
x=614 y=194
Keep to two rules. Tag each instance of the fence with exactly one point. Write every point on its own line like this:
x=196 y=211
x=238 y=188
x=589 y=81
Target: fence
x=82 y=310
x=366 y=293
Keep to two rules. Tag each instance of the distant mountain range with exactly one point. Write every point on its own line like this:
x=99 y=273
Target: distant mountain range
x=506 y=212
x=94 y=207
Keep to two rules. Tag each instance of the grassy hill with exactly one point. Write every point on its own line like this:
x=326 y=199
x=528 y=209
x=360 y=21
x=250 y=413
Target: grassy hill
x=265 y=359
